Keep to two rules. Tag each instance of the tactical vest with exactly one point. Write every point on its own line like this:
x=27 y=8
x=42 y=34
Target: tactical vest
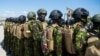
x=54 y=37
x=68 y=40
x=26 y=32
x=13 y=38
x=28 y=40
x=93 y=48
x=19 y=40
x=19 y=33
x=7 y=36
x=44 y=25
x=50 y=41
x=80 y=36
x=36 y=29
x=44 y=39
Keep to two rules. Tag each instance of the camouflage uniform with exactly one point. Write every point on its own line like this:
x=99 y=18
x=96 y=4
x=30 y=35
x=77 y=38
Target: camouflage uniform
x=8 y=35
x=28 y=38
x=18 y=36
x=93 y=48
x=13 y=41
x=41 y=17
x=80 y=30
x=54 y=33
x=5 y=35
x=32 y=33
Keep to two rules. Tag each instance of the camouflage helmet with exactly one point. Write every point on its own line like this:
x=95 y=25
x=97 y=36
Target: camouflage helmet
x=96 y=18
x=21 y=19
x=31 y=15
x=80 y=13
x=55 y=14
x=42 y=11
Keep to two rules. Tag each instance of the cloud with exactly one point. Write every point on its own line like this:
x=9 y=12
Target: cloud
x=24 y=13
x=8 y=13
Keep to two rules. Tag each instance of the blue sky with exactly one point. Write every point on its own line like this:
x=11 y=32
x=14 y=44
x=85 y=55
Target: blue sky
x=22 y=7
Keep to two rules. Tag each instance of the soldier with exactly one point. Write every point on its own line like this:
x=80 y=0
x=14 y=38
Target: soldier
x=32 y=33
x=68 y=48
x=93 y=48
x=13 y=36
x=28 y=39
x=54 y=33
x=80 y=31
x=8 y=34
x=41 y=17
x=8 y=40
x=19 y=38
x=96 y=22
